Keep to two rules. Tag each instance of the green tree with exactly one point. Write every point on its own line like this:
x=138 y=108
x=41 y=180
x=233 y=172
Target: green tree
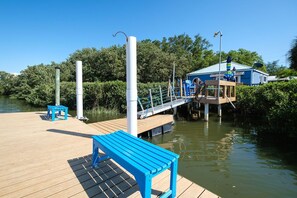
x=89 y=56
x=7 y=81
x=99 y=65
x=293 y=55
x=153 y=64
x=192 y=54
x=33 y=77
x=245 y=57
x=273 y=68
x=286 y=72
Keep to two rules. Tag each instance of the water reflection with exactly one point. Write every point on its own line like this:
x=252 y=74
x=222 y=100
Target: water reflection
x=228 y=161
x=8 y=105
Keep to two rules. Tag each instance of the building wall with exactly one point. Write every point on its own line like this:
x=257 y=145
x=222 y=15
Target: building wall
x=250 y=77
x=259 y=78
x=202 y=77
x=246 y=78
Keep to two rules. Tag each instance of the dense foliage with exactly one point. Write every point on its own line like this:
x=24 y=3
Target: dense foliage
x=276 y=102
x=108 y=95
x=6 y=83
x=155 y=60
x=274 y=69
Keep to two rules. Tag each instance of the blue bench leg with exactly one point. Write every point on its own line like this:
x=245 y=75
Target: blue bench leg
x=66 y=114
x=95 y=156
x=53 y=115
x=145 y=185
x=173 y=176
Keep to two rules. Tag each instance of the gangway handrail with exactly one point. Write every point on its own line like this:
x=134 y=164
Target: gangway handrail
x=161 y=97
x=159 y=100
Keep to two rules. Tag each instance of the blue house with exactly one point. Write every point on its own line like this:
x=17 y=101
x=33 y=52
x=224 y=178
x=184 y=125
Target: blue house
x=243 y=74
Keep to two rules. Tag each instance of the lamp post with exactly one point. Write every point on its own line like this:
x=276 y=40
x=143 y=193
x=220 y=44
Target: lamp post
x=131 y=79
x=215 y=34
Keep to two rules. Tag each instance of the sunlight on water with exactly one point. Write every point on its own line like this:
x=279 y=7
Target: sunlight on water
x=229 y=162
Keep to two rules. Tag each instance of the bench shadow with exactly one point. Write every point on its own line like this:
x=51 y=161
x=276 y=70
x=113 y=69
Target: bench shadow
x=74 y=133
x=107 y=180
x=43 y=116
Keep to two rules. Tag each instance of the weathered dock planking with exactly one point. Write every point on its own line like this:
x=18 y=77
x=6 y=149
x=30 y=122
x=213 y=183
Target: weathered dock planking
x=143 y=124
x=40 y=158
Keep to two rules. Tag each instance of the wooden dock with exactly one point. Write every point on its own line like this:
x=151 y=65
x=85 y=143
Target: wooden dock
x=143 y=125
x=40 y=158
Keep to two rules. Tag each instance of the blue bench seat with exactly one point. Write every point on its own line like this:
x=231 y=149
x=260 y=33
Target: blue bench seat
x=142 y=159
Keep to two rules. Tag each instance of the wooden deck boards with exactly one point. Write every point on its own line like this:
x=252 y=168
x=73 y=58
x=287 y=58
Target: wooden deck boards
x=40 y=158
x=143 y=124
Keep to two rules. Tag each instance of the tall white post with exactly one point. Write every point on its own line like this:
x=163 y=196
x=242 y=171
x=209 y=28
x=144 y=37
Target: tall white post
x=131 y=94
x=57 y=85
x=215 y=34
x=79 y=91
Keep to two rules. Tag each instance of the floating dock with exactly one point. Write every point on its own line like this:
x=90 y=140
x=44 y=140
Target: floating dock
x=149 y=124
x=41 y=158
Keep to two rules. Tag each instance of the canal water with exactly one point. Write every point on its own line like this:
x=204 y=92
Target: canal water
x=230 y=160
x=223 y=155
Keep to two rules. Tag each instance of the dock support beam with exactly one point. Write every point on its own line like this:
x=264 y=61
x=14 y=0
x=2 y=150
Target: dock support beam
x=206 y=111
x=219 y=110
x=175 y=111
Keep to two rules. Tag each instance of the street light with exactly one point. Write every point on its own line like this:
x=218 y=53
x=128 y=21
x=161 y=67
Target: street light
x=215 y=34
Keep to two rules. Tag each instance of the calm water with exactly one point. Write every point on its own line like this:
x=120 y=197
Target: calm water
x=220 y=156
x=229 y=161
x=8 y=105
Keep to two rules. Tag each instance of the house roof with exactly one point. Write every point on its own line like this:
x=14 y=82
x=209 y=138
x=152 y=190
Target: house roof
x=215 y=69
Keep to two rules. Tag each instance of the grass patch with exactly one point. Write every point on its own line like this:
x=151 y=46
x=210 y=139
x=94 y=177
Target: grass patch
x=101 y=114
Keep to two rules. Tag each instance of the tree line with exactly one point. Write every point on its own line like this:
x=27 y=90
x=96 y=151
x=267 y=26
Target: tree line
x=155 y=59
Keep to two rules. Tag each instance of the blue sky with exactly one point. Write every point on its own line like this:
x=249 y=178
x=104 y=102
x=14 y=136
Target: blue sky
x=42 y=31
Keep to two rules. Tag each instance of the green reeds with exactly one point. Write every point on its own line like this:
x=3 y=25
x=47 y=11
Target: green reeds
x=100 y=114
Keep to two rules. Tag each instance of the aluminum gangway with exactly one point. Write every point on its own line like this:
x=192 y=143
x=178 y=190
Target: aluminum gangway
x=159 y=100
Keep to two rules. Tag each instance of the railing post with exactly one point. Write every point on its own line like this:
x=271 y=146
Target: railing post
x=140 y=104
x=161 y=97
x=171 y=95
x=181 y=87
x=151 y=97
x=168 y=90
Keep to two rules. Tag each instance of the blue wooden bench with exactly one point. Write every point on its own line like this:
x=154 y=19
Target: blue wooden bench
x=51 y=111
x=142 y=159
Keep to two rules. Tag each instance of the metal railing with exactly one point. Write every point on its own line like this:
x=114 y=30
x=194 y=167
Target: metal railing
x=156 y=97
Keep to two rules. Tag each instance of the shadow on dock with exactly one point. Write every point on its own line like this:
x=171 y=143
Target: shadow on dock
x=43 y=116
x=108 y=180
x=74 y=133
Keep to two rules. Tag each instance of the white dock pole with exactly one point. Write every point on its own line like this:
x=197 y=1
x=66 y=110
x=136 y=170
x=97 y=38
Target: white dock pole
x=219 y=110
x=206 y=110
x=131 y=94
x=79 y=91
